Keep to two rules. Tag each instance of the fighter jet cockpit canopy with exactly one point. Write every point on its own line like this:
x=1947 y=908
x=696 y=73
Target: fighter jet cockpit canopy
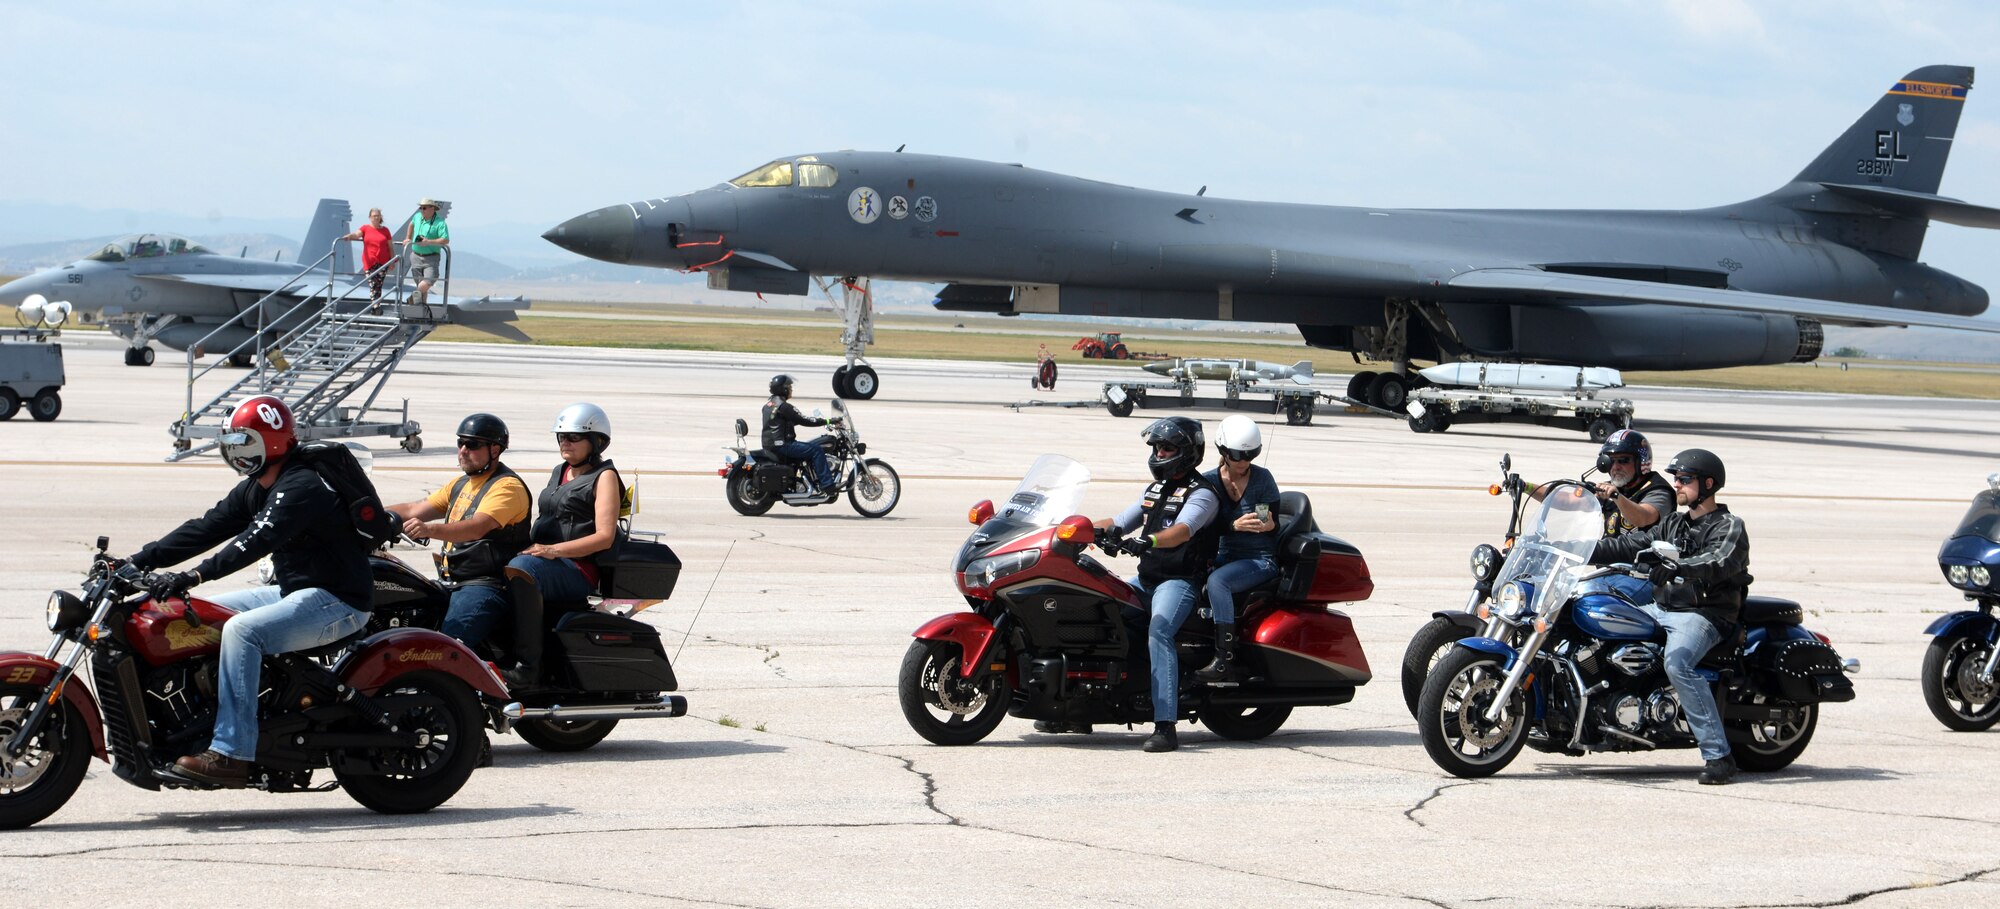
x=804 y=171
x=146 y=246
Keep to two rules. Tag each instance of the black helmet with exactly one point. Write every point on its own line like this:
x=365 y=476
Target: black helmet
x=1703 y=464
x=1181 y=434
x=484 y=427
x=1626 y=441
x=781 y=385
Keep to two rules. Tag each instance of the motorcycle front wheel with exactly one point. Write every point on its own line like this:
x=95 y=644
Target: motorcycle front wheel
x=875 y=490
x=1761 y=747
x=1451 y=715
x=1953 y=689
x=1429 y=645
x=564 y=735
x=36 y=784
x=447 y=717
x=939 y=704
x=737 y=491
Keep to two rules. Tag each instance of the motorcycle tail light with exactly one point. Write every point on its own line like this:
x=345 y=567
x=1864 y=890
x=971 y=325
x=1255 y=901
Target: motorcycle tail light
x=722 y=471
x=1823 y=638
x=980 y=512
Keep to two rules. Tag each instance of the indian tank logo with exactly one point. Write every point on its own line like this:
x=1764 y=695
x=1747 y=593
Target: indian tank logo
x=421 y=656
x=180 y=637
x=864 y=205
x=1905 y=115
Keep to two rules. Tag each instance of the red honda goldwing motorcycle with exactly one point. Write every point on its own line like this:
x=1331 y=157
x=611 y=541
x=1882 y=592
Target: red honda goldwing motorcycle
x=397 y=720
x=1048 y=636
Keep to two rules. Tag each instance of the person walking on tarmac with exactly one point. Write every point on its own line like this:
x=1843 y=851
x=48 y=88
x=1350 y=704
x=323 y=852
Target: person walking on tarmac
x=576 y=526
x=1177 y=541
x=324 y=591
x=1635 y=499
x=1247 y=552
x=1699 y=595
x=779 y=418
x=482 y=519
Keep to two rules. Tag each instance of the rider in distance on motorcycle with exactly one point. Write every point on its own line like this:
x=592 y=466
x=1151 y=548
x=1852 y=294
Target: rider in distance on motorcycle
x=1714 y=563
x=1175 y=518
x=779 y=419
x=482 y=519
x=324 y=591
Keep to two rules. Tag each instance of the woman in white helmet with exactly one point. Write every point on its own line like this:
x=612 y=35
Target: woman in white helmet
x=576 y=523
x=1248 y=553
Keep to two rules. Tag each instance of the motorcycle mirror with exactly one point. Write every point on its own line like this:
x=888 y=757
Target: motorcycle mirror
x=742 y=428
x=1993 y=481
x=816 y=413
x=839 y=407
x=1506 y=463
x=1666 y=549
x=980 y=512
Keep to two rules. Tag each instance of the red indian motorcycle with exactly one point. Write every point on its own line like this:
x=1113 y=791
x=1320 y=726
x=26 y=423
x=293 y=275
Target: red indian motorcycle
x=397 y=720
x=1047 y=636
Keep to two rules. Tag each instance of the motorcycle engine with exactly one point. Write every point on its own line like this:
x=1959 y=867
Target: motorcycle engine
x=180 y=700
x=1641 y=712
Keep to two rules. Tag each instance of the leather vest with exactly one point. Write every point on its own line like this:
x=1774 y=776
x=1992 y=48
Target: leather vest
x=1162 y=504
x=1615 y=523
x=777 y=430
x=568 y=511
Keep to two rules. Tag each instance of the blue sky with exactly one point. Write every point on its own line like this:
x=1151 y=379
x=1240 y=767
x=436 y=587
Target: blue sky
x=527 y=113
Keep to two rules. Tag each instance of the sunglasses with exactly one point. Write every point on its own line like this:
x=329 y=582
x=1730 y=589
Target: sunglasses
x=469 y=442
x=1685 y=479
x=1624 y=459
x=572 y=436
x=1235 y=455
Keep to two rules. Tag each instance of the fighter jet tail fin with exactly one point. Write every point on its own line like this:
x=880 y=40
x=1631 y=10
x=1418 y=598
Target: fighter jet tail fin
x=329 y=223
x=1903 y=140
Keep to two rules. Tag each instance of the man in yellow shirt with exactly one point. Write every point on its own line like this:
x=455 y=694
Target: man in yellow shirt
x=482 y=519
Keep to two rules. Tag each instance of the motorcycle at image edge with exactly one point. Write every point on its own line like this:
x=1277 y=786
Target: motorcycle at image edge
x=755 y=480
x=397 y=720
x=599 y=664
x=1959 y=681
x=1575 y=673
x=1048 y=635
x=1434 y=639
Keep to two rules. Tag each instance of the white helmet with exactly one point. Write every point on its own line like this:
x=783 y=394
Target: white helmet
x=584 y=417
x=1239 y=439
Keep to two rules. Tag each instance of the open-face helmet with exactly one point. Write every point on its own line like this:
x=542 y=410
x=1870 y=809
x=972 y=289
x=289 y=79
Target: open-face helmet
x=1626 y=441
x=485 y=427
x=1239 y=439
x=589 y=419
x=259 y=433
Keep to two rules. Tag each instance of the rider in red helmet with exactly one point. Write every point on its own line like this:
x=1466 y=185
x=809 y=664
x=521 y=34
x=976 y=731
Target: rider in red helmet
x=323 y=589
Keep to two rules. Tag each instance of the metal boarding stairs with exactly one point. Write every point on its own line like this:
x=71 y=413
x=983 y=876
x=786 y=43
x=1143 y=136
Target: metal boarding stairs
x=329 y=368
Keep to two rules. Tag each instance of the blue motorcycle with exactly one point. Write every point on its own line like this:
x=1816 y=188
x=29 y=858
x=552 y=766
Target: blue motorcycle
x=1959 y=681
x=1567 y=666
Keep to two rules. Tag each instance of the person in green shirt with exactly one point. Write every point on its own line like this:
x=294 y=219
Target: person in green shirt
x=428 y=238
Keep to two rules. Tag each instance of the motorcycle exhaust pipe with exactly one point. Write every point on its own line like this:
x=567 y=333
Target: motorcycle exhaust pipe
x=671 y=705
x=1307 y=698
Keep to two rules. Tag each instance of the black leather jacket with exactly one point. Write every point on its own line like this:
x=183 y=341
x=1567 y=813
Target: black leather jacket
x=298 y=522
x=779 y=418
x=1715 y=560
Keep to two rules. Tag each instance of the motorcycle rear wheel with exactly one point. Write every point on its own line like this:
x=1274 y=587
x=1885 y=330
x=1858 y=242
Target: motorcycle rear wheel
x=879 y=487
x=1246 y=724
x=1765 y=747
x=450 y=716
x=561 y=735
x=737 y=491
x=1450 y=715
x=40 y=781
x=929 y=685
x=1427 y=646
x=1952 y=687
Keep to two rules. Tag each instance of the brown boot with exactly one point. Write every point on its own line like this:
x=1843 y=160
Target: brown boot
x=215 y=768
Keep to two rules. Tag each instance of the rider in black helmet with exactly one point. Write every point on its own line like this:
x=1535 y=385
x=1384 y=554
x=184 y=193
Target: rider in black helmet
x=779 y=418
x=1699 y=595
x=1175 y=520
x=482 y=519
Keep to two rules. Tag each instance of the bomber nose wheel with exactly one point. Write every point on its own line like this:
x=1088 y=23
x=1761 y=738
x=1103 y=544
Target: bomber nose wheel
x=44 y=776
x=1956 y=693
x=1451 y=715
x=940 y=704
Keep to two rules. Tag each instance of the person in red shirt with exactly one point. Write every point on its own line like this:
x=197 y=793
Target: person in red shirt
x=375 y=253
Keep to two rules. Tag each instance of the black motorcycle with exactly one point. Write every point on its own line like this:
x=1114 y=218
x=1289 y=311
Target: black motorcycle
x=755 y=480
x=599 y=665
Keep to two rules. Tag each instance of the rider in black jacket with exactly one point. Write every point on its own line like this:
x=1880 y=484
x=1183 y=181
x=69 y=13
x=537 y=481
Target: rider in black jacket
x=1699 y=594
x=779 y=418
x=323 y=591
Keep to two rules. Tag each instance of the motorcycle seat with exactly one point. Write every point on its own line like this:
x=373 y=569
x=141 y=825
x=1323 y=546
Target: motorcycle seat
x=332 y=647
x=1772 y=611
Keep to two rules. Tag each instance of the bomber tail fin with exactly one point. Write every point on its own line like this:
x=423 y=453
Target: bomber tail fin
x=1903 y=140
x=329 y=223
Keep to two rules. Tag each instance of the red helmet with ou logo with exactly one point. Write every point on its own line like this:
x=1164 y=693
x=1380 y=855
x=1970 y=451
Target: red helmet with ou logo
x=260 y=431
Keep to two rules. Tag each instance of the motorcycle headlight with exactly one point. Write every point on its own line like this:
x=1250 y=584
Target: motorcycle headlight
x=1980 y=576
x=1485 y=561
x=982 y=574
x=66 y=611
x=1958 y=575
x=1514 y=599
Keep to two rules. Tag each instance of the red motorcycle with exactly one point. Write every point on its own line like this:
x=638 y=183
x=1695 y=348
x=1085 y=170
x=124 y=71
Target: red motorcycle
x=396 y=720
x=1048 y=636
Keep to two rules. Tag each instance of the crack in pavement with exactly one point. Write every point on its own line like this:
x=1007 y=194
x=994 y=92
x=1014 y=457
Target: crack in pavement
x=770 y=653
x=1410 y=814
x=1849 y=900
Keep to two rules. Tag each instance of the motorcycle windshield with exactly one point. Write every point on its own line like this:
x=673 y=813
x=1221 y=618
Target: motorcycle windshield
x=1052 y=490
x=1982 y=520
x=1560 y=535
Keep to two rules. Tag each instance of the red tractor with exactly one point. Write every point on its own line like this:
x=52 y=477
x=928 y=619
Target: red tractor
x=1105 y=346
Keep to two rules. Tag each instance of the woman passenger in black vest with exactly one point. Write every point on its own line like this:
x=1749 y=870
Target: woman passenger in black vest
x=576 y=523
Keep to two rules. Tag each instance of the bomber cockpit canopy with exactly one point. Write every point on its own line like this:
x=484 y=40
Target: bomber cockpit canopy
x=802 y=171
x=146 y=246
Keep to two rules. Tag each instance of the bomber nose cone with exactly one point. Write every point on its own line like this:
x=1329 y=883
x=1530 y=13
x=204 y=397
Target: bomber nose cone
x=605 y=234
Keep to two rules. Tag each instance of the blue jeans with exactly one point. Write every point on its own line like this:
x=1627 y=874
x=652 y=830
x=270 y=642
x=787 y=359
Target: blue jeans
x=559 y=579
x=813 y=454
x=266 y=623
x=475 y=610
x=1231 y=578
x=1170 y=605
x=1635 y=590
x=1689 y=637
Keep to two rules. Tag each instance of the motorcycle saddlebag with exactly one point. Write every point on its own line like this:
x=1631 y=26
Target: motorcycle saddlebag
x=1322 y=568
x=771 y=479
x=643 y=570
x=612 y=653
x=1806 y=671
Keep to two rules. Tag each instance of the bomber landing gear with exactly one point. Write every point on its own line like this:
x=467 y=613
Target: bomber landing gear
x=138 y=356
x=856 y=382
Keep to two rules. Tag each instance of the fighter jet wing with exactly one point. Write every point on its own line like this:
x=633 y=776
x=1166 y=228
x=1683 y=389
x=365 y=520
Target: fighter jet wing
x=490 y=315
x=1587 y=289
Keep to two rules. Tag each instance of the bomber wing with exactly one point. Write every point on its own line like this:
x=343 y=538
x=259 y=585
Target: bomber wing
x=1587 y=289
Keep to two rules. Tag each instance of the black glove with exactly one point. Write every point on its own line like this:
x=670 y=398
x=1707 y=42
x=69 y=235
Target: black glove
x=1139 y=545
x=1663 y=571
x=167 y=584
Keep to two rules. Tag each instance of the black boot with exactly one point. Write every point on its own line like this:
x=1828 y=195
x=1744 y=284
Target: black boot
x=527 y=598
x=1163 y=738
x=1717 y=772
x=1225 y=655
